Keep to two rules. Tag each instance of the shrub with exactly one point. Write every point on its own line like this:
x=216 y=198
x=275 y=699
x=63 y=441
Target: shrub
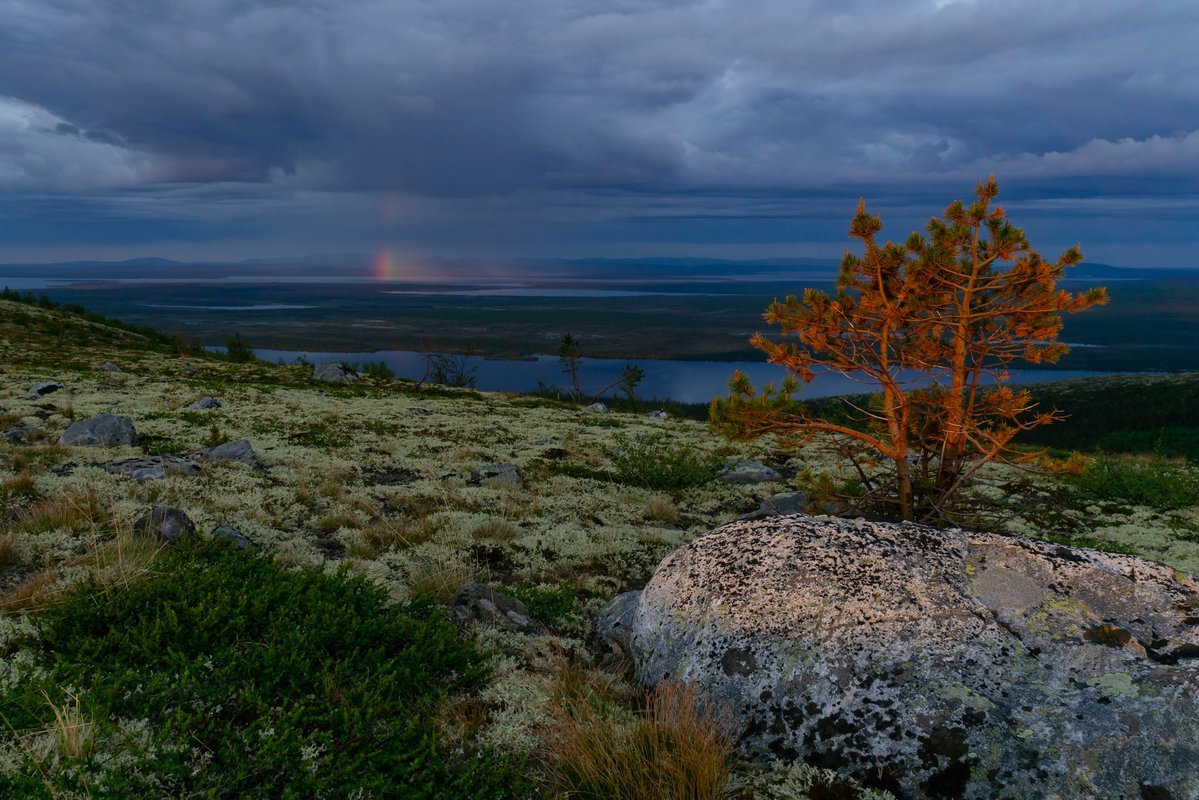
x=252 y=682
x=661 y=509
x=237 y=350
x=1159 y=484
x=550 y=604
x=655 y=464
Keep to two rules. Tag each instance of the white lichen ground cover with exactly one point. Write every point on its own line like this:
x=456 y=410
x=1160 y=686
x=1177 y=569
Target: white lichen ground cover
x=374 y=480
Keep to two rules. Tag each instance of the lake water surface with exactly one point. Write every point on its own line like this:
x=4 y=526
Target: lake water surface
x=686 y=381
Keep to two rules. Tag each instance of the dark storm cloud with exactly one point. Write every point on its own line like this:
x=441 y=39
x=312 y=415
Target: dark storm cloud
x=502 y=113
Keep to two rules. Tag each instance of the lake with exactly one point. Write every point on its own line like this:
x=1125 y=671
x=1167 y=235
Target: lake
x=686 y=381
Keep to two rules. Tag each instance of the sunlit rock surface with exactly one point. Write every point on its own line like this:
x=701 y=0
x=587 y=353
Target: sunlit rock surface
x=936 y=663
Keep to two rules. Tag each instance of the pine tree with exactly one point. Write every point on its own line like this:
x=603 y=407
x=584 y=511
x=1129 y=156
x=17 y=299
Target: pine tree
x=955 y=308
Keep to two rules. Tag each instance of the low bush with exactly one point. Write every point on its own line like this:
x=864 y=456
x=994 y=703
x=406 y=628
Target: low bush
x=251 y=682
x=656 y=464
x=1159 y=484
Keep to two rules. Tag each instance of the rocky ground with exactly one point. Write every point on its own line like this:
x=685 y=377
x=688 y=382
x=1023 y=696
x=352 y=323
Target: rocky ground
x=420 y=489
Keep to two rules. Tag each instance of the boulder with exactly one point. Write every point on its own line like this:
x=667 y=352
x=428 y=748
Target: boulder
x=44 y=388
x=205 y=403
x=659 y=414
x=479 y=603
x=108 y=366
x=334 y=373
x=106 y=430
x=231 y=536
x=167 y=524
x=749 y=472
x=936 y=664
x=15 y=435
x=506 y=474
x=239 y=450
x=153 y=468
x=779 y=505
x=614 y=624
x=596 y=408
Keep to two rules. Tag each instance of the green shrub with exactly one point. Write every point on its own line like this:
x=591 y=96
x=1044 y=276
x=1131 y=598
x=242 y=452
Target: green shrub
x=1159 y=484
x=550 y=604
x=253 y=682
x=374 y=369
x=655 y=464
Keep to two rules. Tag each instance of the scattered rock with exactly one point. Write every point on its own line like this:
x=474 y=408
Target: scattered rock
x=106 y=430
x=506 y=474
x=15 y=435
x=479 y=603
x=596 y=408
x=233 y=537
x=108 y=366
x=615 y=623
x=205 y=403
x=935 y=663
x=334 y=373
x=390 y=476
x=152 y=468
x=43 y=389
x=658 y=414
x=748 y=472
x=421 y=412
x=170 y=525
x=779 y=505
x=239 y=450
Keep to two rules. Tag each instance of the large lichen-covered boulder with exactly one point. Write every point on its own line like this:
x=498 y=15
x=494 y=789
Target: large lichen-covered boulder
x=935 y=663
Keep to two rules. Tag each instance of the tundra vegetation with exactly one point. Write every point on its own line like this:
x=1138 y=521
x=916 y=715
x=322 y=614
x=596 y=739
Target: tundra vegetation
x=318 y=663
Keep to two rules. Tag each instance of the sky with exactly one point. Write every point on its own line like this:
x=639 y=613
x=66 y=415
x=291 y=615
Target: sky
x=230 y=129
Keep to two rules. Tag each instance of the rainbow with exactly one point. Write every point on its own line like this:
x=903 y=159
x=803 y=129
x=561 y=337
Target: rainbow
x=387 y=266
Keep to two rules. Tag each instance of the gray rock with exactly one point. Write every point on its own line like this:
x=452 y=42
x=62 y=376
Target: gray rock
x=106 y=430
x=153 y=468
x=239 y=450
x=233 y=537
x=205 y=403
x=659 y=414
x=941 y=663
x=15 y=435
x=779 y=505
x=596 y=408
x=615 y=622
x=749 y=472
x=334 y=373
x=169 y=525
x=479 y=603
x=108 y=366
x=44 y=388
x=508 y=474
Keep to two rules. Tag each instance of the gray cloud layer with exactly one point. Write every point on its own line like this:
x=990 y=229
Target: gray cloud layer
x=261 y=115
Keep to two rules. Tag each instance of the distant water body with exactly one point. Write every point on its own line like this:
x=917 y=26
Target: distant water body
x=685 y=381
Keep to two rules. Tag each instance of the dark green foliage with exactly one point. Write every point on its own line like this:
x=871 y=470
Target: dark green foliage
x=374 y=369
x=1155 y=483
x=255 y=682
x=550 y=605
x=656 y=464
x=237 y=350
x=145 y=336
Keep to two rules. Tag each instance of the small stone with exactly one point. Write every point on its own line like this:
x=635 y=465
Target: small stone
x=779 y=505
x=492 y=474
x=170 y=525
x=205 y=403
x=658 y=414
x=15 y=435
x=749 y=472
x=334 y=373
x=479 y=603
x=239 y=450
x=108 y=366
x=106 y=430
x=596 y=408
x=153 y=468
x=44 y=388
x=231 y=536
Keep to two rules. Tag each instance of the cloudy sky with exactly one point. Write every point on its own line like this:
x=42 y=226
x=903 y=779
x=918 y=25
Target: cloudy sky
x=736 y=128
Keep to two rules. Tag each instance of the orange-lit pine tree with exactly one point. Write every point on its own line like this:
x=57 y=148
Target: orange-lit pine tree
x=932 y=325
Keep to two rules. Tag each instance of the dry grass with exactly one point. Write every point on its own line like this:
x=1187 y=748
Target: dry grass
x=10 y=553
x=20 y=485
x=35 y=593
x=383 y=534
x=76 y=508
x=672 y=748
x=661 y=509
x=439 y=578
x=73 y=733
x=331 y=523
x=495 y=530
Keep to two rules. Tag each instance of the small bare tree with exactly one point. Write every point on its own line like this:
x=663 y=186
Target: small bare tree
x=934 y=324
